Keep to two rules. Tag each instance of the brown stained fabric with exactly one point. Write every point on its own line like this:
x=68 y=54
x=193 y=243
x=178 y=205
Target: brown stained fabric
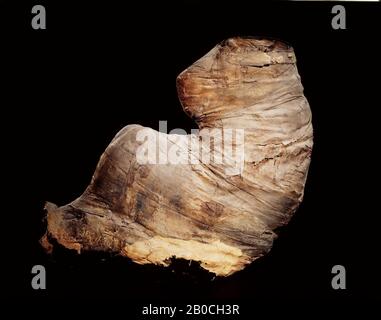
x=151 y=212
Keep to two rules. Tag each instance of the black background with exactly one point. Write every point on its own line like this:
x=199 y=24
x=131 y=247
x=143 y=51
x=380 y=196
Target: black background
x=66 y=91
